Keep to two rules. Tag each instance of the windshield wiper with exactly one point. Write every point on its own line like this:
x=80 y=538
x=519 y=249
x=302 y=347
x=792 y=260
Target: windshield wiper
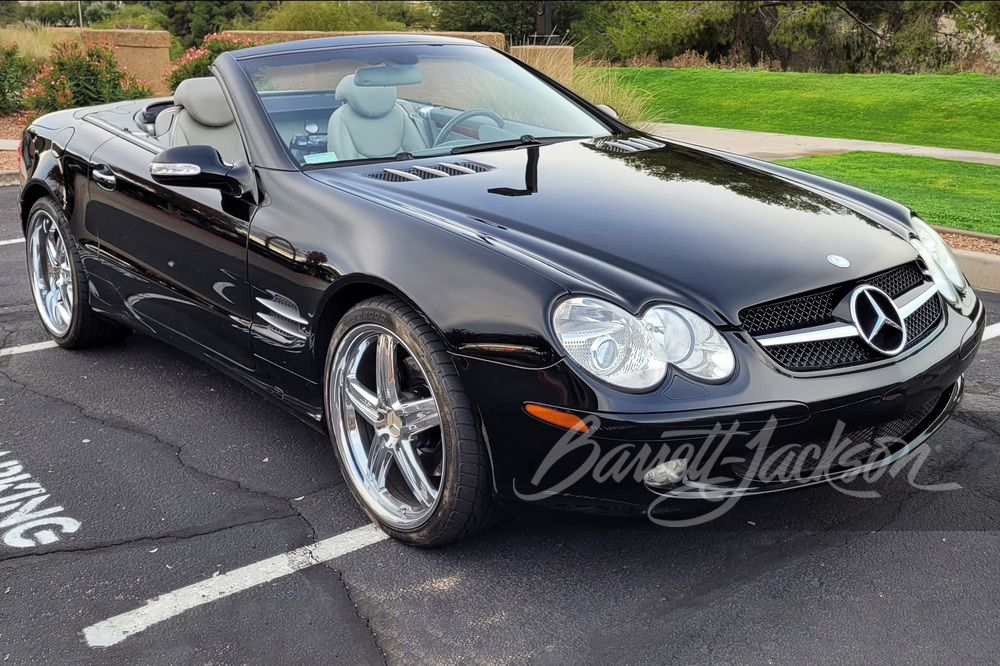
x=526 y=140
x=399 y=157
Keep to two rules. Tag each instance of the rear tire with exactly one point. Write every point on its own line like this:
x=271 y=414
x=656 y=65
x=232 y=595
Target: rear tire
x=403 y=427
x=59 y=283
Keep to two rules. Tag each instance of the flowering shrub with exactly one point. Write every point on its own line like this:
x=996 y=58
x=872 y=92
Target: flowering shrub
x=197 y=60
x=79 y=75
x=14 y=73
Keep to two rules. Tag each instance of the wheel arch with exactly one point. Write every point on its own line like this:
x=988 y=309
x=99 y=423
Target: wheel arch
x=345 y=294
x=31 y=193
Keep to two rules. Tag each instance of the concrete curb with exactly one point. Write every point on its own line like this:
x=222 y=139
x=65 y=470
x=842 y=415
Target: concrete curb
x=982 y=270
x=9 y=178
x=970 y=234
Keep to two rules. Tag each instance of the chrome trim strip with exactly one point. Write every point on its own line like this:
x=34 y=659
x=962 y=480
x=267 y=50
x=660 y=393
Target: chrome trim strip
x=266 y=332
x=640 y=144
x=911 y=301
x=907 y=304
x=134 y=138
x=172 y=169
x=433 y=172
x=282 y=326
x=282 y=311
x=458 y=167
x=629 y=148
x=816 y=333
x=649 y=143
x=403 y=174
x=696 y=490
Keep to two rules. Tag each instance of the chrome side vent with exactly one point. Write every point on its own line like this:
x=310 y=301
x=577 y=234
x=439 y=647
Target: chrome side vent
x=442 y=170
x=284 y=323
x=631 y=145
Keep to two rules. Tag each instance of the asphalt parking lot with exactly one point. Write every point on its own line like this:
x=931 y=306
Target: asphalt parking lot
x=170 y=476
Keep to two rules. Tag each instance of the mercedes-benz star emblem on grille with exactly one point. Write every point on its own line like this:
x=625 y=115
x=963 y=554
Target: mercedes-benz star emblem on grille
x=878 y=320
x=838 y=261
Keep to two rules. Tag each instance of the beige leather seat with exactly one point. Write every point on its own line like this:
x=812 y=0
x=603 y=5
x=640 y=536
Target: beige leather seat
x=205 y=119
x=370 y=123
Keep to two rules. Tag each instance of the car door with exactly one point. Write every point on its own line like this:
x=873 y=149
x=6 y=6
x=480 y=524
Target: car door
x=176 y=255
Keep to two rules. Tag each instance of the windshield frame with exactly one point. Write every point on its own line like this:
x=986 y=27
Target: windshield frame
x=272 y=152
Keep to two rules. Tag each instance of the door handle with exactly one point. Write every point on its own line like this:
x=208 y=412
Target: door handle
x=104 y=177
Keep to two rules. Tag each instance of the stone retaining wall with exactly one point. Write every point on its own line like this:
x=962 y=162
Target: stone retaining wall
x=146 y=53
x=494 y=39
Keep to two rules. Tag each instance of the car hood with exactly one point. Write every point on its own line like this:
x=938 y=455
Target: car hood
x=672 y=223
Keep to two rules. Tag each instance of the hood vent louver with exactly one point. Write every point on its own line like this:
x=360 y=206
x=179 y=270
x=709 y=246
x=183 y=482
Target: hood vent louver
x=631 y=145
x=442 y=170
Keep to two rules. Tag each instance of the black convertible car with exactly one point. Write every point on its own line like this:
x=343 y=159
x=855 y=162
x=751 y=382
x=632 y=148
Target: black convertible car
x=486 y=288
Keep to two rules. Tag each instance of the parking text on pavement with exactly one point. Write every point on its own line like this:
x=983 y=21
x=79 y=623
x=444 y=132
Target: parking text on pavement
x=23 y=520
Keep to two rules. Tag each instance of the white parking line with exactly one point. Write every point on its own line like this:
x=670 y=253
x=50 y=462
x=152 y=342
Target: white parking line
x=116 y=629
x=12 y=241
x=992 y=331
x=24 y=349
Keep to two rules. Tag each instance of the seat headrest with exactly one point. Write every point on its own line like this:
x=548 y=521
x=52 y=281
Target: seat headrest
x=369 y=101
x=204 y=100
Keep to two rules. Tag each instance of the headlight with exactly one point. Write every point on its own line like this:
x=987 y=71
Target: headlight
x=630 y=353
x=940 y=261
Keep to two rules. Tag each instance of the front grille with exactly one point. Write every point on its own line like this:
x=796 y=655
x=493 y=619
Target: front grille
x=899 y=280
x=868 y=444
x=841 y=352
x=799 y=312
x=922 y=321
x=816 y=309
x=822 y=354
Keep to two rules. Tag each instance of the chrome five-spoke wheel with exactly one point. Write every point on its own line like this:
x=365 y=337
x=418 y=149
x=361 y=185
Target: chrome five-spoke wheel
x=388 y=426
x=51 y=273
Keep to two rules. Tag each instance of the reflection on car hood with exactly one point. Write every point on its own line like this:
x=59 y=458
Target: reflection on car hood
x=673 y=222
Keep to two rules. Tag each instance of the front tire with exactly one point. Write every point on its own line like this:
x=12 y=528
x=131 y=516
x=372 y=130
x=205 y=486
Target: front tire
x=59 y=284
x=403 y=427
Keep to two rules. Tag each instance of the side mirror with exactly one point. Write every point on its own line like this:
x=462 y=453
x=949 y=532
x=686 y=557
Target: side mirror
x=608 y=110
x=199 y=166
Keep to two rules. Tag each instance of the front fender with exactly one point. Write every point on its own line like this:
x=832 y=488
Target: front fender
x=313 y=243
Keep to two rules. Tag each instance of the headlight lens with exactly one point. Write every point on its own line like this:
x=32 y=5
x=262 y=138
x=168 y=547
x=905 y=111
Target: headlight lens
x=630 y=353
x=940 y=261
x=690 y=343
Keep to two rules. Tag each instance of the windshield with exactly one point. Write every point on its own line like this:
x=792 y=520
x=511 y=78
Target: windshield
x=393 y=102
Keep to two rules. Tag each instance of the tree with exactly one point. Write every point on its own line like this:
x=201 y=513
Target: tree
x=830 y=35
x=8 y=11
x=514 y=18
x=332 y=15
x=190 y=20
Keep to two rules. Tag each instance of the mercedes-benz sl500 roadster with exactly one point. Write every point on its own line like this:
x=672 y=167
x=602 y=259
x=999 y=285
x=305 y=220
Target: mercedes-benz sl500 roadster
x=487 y=289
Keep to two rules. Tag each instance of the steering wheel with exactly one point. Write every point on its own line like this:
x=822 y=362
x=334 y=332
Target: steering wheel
x=450 y=126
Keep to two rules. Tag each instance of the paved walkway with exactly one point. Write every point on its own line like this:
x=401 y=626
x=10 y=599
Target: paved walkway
x=770 y=146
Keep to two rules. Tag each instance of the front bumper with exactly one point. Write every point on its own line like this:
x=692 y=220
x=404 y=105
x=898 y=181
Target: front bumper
x=537 y=462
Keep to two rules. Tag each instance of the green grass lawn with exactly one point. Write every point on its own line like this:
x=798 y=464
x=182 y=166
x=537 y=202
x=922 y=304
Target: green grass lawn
x=949 y=111
x=951 y=194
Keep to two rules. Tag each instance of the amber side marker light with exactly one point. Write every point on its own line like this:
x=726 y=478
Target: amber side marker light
x=555 y=417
